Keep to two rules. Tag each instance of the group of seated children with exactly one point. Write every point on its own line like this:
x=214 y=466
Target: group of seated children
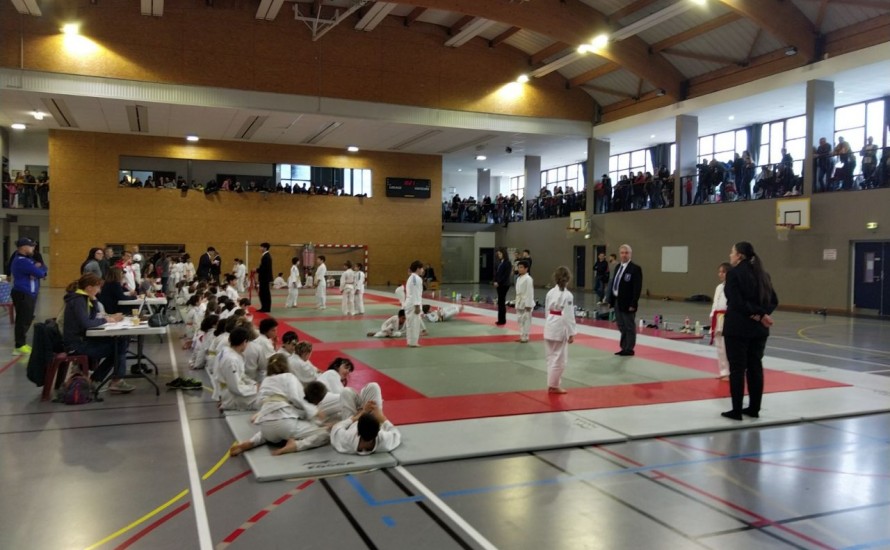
x=297 y=404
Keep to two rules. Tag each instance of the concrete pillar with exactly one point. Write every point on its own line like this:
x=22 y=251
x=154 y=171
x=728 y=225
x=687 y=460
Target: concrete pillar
x=532 y=181
x=687 y=152
x=483 y=183
x=820 y=123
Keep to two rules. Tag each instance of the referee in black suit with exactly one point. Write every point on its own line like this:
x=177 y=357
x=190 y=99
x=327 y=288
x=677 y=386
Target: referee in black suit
x=624 y=295
x=264 y=278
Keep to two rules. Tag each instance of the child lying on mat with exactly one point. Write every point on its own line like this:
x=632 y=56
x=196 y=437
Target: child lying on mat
x=288 y=412
x=367 y=430
x=394 y=327
x=444 y=313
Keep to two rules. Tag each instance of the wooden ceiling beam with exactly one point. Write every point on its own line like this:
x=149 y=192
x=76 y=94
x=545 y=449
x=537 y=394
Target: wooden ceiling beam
x=685 y=36
x=705 y=57
x=593 y=74
x=503 y=36
x=876 y=4
x=572 y=22
x=551 y=50
x=412 y=17
x=459 y=24
x=781 y=19
x=629 y=9
x=610 y=91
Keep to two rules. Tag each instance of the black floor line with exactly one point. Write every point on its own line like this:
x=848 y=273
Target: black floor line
x=349 y=517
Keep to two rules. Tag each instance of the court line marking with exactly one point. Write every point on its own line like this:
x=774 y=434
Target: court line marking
x=803 y=336
x=205 y=542
x=445 y=509
x=12 y=362
x=835 y=357
x=139 y=521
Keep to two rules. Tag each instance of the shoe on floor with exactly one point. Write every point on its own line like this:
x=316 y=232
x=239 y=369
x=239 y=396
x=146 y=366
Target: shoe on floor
x=734 y=415
x=176 y=383
x=192 y=384
x=120 y=387
x=22 y=350
x=747 y=411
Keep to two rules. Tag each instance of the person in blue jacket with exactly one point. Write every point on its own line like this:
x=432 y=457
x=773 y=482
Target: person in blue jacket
x=26 y=274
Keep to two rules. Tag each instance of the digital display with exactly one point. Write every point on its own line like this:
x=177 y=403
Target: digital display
x=411 y=188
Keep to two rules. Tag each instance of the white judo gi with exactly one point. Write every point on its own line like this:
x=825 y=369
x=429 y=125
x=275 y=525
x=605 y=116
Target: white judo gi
x=390 y=328
x=525 y=303
x=360 y=291
x=344 y=434
x=413 y=306
x=347 y=289
x=237 y=392
x=285 y=414
x=321 y=286
x=293 y=286
x=718 y=310
x=558 y=327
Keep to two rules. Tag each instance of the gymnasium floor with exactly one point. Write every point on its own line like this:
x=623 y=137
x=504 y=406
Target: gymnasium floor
x=152 y=472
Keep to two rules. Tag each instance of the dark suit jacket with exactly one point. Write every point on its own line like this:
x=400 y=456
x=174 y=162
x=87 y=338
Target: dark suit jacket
x=204 y=266
x=503 y=274
x=629 y=288
x=264 y=272
x=743 y=301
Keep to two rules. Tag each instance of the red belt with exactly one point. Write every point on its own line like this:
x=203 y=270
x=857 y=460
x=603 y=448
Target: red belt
x=555 y=313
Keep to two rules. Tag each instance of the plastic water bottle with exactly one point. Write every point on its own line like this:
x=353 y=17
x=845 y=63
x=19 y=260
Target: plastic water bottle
x=642 y=323
x=698 y=328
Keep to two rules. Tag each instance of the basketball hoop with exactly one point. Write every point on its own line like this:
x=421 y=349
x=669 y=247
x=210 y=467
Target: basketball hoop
x=572 y=231
x=783 y=230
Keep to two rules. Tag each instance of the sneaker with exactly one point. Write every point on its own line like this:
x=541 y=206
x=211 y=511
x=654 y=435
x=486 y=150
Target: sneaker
x=120 y=387
x=192 y=384
x=22 y=350
x=176 y=383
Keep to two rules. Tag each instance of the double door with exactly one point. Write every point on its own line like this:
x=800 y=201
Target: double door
x=871 y=283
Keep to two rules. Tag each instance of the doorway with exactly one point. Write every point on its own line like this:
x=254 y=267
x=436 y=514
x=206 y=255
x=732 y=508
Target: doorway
x=580 y=270
x=871 y=286
x=486 y=265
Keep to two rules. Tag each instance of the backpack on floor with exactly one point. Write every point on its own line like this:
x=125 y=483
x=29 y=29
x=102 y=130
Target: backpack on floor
x=76 y=390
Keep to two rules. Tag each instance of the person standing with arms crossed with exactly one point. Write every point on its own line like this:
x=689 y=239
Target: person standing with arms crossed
x=264 y=278
x=321 y=283
x=750 y=300
x=414 y=304
x=525 y=300
x=26 y=275
x=624 y=296
x=502 y=284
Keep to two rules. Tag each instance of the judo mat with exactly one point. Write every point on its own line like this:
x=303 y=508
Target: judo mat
x=498 y=435
x=320 y=462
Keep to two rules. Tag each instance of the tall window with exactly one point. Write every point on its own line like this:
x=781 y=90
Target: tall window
x=722 y=146
x=563 y=176
x=637 y=161
x=789 y=134
x=517 y=186
x=859 y=121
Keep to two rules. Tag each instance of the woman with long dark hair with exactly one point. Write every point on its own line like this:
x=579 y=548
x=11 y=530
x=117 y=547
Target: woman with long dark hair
x=750 y=301
x=502 y=275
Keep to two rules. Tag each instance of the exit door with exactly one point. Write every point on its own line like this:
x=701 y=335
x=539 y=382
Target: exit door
x=871 y=285
x=580 y=262
x=486 y=265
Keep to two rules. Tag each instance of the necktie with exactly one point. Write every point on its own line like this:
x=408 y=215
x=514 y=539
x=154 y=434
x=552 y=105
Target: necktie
x=617 y=279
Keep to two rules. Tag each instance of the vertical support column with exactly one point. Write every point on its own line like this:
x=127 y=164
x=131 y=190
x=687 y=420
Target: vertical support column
x=820 y=123
x=598 y=152
x=483 y=183
x=532 y=181
x=687 y=152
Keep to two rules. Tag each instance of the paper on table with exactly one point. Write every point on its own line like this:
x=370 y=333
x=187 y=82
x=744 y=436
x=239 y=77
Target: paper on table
x=126 y=323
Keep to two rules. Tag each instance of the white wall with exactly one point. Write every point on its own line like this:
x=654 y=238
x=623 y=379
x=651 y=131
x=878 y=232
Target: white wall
x=464 y=184
x=28 y=147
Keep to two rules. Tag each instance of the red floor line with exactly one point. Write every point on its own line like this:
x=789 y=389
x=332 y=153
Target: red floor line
x=259 y=515
x=761 y=521
x=334 y=318
x=227 y=482
x=12 y=362
x=148 y=529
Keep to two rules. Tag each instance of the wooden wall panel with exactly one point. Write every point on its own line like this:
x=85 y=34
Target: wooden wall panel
x=227 y=47
x=89 y=209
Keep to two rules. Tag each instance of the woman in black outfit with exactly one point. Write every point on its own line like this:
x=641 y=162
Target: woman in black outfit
x=502 y=275
x=113 y=292
x=750 y=302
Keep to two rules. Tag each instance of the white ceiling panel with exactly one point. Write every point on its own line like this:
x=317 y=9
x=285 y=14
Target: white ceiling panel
x=529 y=42
x=692 y=18
x=691 y=67
x=584 y=64
x=439 y=17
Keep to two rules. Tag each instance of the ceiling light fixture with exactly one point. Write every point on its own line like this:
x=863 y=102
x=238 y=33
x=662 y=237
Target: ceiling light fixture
x=71 y=29
x=522 y=79
x=352 y=149
x=481 y=157
x=192 y=137
x=650 y=21
x=18 y=126
x=731 y=117
x=38 y=115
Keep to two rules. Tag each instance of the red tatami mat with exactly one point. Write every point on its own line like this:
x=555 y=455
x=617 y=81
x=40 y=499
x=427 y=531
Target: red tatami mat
x=417 y=411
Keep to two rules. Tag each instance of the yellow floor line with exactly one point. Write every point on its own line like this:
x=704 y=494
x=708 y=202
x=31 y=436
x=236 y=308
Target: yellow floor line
x=159 y=509
x=800 y=333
